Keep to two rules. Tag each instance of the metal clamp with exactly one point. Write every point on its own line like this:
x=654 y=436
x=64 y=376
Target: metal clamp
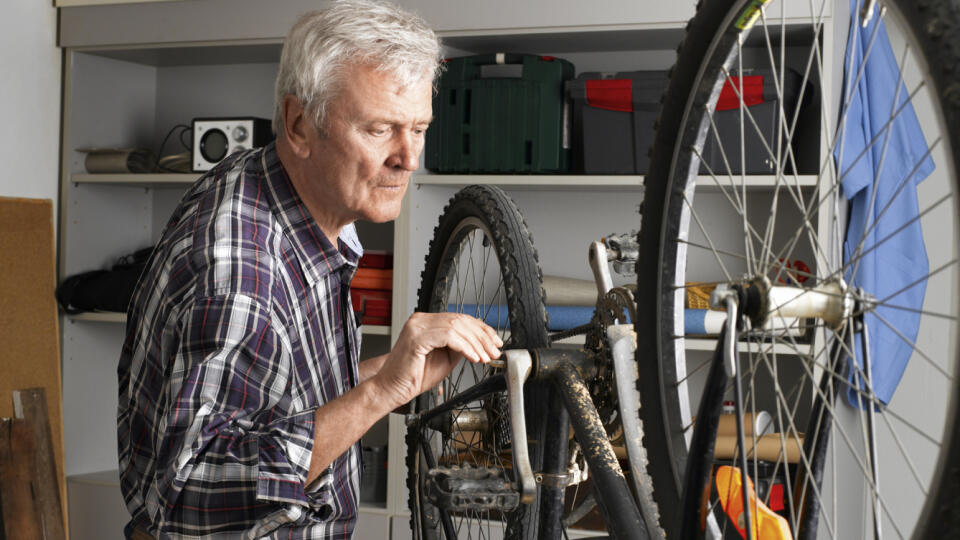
x=555 y=480
x=519 y=365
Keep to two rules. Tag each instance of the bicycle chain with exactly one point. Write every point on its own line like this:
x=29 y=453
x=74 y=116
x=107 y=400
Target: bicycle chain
x=616 y=307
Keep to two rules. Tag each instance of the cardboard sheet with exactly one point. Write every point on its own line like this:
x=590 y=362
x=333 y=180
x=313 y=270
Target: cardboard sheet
x=29 y=337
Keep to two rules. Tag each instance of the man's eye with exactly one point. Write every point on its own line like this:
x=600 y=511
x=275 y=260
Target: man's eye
x=379 y=131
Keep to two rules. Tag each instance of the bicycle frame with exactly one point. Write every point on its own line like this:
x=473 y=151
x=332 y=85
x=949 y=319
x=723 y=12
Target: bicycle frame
x=566 y=370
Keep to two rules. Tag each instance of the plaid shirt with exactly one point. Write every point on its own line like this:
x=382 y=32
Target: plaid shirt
x=240 y=328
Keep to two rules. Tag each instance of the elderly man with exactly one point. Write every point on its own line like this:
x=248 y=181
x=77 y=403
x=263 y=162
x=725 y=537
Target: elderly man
x=241 y=396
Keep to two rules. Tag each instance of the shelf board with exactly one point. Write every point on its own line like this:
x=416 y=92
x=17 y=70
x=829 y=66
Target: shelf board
x=710 y=344
x=518 y=181
x=100 y=316
x=115 y=317
x=534 y=181
x=375 y=508
x=375 y=330
x=587 y=182
x=99 y=478
x=265 y=51
x=566 y=40
x=756 y=181
x=144 y=180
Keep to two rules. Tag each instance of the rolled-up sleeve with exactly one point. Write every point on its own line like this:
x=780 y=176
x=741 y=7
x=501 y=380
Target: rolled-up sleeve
x=234 y=447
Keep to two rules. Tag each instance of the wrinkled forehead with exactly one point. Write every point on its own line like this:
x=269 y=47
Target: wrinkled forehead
x=379 y=94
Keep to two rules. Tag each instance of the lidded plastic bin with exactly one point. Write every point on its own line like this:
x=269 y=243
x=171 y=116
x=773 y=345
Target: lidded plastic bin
x=613 y=119
x=486 y=122
x=759 y=93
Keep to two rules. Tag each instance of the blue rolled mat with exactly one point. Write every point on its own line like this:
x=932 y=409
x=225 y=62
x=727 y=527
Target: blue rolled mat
x=561 y=317
x=696 y=321
x=703 y=321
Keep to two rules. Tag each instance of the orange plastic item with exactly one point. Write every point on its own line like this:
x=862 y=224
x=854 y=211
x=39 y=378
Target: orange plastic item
x=771 y=525
x=373 y=278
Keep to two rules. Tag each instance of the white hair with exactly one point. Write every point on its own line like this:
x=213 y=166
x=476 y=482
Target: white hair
x=322 y=44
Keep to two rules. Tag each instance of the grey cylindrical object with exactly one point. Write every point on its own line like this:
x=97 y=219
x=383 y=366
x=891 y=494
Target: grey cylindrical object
x=563 y=291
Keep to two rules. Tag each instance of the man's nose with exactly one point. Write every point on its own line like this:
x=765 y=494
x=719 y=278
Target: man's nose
x=406 y=153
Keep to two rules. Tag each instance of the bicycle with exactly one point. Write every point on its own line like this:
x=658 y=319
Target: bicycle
x=838 y=449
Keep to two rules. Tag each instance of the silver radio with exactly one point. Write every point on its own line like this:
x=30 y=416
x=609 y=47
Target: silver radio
x=217 y=138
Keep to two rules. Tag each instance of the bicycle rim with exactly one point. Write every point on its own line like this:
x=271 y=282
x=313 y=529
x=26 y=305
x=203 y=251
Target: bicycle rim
x=843 y=472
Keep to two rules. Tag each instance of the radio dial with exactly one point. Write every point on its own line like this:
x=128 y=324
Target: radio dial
x=240 y=133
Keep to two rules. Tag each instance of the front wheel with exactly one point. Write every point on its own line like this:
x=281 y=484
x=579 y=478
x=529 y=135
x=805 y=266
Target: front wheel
x=864 y=211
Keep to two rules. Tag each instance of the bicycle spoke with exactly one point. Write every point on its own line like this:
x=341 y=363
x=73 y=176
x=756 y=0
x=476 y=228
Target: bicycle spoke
x=707 y=236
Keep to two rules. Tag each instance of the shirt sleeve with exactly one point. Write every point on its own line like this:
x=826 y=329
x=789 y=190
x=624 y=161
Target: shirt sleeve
x=227 y=453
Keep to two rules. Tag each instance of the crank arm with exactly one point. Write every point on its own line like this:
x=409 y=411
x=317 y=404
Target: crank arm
x=597 y=255
x=519 y=365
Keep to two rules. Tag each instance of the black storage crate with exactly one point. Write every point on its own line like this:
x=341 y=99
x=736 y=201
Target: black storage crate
x=488 y=124
x=613 y=118
x=760 y=96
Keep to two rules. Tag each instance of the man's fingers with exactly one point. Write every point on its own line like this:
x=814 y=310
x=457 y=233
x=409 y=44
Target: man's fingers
x=487 y=338
x=468 y=336
x=469 y=345
x=471 y=338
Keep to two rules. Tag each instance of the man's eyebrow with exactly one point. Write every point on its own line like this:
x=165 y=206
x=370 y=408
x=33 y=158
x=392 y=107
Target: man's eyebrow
x=394 y=121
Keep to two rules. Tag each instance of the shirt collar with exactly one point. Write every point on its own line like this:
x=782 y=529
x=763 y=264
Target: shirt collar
x=313 y=249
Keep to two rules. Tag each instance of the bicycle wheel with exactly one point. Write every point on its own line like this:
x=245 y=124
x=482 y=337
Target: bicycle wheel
x=851 y=457
x=481 y=261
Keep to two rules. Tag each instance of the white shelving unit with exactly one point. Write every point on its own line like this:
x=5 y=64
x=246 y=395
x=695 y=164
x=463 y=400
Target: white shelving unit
x=131 y=74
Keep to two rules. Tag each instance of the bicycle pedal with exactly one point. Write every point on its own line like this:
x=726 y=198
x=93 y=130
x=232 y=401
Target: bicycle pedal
x=470 y=489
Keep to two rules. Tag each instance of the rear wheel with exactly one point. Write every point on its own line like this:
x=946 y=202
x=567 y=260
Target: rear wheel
x=837 y=453
x=481 y=262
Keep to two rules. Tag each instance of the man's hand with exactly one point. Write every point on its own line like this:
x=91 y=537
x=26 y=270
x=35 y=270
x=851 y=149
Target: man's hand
x=429 y=347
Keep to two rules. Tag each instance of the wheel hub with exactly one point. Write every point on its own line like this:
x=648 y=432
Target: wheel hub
x=831 y=301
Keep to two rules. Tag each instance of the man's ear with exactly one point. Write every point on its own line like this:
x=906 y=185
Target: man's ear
x=296 y=126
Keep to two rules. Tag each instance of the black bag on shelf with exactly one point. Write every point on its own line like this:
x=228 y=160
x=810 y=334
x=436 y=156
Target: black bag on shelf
x=103 y=290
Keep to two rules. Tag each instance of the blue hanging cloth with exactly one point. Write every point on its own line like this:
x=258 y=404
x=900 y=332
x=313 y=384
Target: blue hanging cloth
x=886 y=270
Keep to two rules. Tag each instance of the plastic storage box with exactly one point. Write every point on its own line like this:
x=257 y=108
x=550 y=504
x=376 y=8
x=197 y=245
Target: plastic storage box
x=372 y=305
x=613 y=119
x=760 y=96
x=500 y=124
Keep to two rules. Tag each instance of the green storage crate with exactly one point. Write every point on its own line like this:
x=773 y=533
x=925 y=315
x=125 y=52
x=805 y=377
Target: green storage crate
x=500 y=124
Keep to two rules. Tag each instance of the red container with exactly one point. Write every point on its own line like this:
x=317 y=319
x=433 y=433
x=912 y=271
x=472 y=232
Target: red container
x=376 y=259
x=373 y=278
x=374 y=305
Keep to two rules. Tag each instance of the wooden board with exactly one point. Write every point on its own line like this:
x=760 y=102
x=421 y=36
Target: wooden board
x=30 y=351
x=30 y=406
x=21 y=517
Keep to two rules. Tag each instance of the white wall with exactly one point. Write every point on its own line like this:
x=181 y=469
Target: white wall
x=29 y=100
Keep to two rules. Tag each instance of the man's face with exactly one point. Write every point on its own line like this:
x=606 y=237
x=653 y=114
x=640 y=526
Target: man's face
x=360 y=164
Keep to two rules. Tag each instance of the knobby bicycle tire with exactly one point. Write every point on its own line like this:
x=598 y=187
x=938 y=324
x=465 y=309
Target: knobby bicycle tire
x=674 y=233
x=482 y=225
